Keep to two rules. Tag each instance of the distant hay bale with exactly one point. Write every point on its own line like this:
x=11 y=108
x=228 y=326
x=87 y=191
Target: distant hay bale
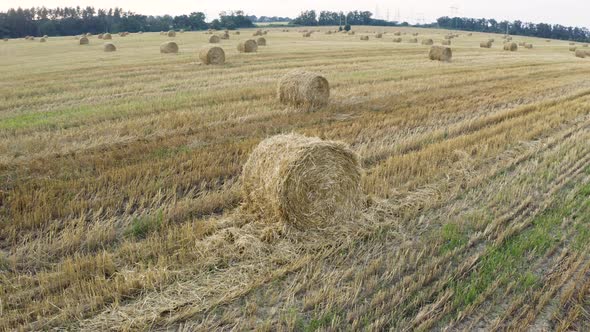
x=212 y=55
x=527 y=45
x=225 y=35
x=307 y=34
x=485 y=44
x=42 y=40
x=572 y=44
x=379 y=35
x=449 y=37
x=169 y=47
x=214 y=39
x=580 y=53
x=329 y=32
x=521 y=44
x=427 y=41
x=491 y=40
x=512 y=47
x=397 y=40
x=83 y=41
x=140 y=32
x=107 y=36
x=364 y=37
x=351 y=33
x=257 y=33
x=5 y=39
x=440 y=53
x=45 y=36
x=88 y=34
x=397 y=33
x=304 y=182
x=573 y=49
x=264 y=33
x=446 y=42
x=302 y=88
x=261 y=41
x=181 y=31
x=415 y=34
x=584 y=45
x=248 y=46
x=171 y=33
x=109 y=47
x=100 y=36
x=469 y=34
x=236 y=33
x=508 y=38
x=413 y=40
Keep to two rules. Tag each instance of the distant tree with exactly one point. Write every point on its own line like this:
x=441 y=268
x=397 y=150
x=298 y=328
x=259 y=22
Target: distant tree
x=347 y=27
x=306 y=18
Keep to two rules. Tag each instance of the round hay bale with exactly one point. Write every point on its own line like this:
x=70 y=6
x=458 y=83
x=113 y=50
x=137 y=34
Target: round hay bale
x=109 y=47
x=580 y=53
x=214 y=39
x=169 y=47
x=584 y=45
x=415 y=34
x=440 y=53
x=573 y=49
x=572 y=44
x=100 y=36
x=212 y=55
x=107 y=36
x=301 y=181
x=181 y=31
x=302 y=88
x=397 y=40
x=5 y=39
x=171 y=33
x=512 y=47
x=364 y=37
x=351 y=33
x=469 y=34
x=306 y=34
x=446 y=42
x=88 y=34
x=257 y=33
x=485 y=44
x=225 y=35
x=261 y=41
x=329 y=32
x=527 y=45
x=379 y=35
x=236 y=33
x=397 y=33
x=42 y=40
x=491 y=40
x=521 y=44
x=427 y=41
x=248 y=46
x=45 y=36
x=413 y=40
x=83 y=41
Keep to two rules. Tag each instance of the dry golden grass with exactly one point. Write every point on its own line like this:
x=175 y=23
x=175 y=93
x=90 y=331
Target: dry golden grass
x=120 y=193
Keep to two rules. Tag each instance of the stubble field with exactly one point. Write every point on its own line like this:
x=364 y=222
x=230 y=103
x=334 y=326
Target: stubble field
x=120 y=186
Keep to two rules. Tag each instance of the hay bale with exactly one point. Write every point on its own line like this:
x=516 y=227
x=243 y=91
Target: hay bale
x=512 y=47
x=397 y=33
x=302 y=181
x=248 y=46
x=573 y=49
x=580 y=53
x=169 y=47
x=181 y=31
x=236 y=33
x=379 y=35
x=45 y=36
x=171 y=33
x=140 y=32
x=364 y=37
x=109 y=47
x=302 y=88
x=446 y=42
x=214 y=39
x=485 y=44
x=83 y=41
x=42 y=40
x=440 y=53
x=100 y=36
x=521 y=44
x=5 y=39
x=572 y=44
x=107 y=36
x=351 y=33
x=225 y=36
x=427 y=41
x=413 y=41
x=491 y=40
x=88 y=34
x=261 y=41
x=469 y=34
x=397 y=40
x=259 y=33
x=306 y=34
x=212 y=55
x=415 y=34
x=584 y=45
x=527 y=45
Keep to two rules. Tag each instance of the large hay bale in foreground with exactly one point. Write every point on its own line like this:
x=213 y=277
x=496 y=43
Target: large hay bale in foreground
x=427 y=41
x=302 y=88
x=214 y=39
x=580 y=53
x=171 y=33
x=83 y=41
x=107 y=36
x=512 y=47
x=248 y=46
x=169 y=47
x=304 y=182
x=440 y=53
x=261 y=41
x=485 y=44
x=109 y=47
x=212 y=55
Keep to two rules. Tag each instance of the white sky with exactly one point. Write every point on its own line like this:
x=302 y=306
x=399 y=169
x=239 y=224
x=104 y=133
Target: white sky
x=565 y=12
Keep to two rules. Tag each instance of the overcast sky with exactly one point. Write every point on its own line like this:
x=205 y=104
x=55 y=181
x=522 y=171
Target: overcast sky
x=565 y=12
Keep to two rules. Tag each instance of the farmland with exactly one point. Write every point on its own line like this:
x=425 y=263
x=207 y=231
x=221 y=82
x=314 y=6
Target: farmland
x=120 y=193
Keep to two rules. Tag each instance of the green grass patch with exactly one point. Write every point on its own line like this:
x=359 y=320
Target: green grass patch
x=141 y=227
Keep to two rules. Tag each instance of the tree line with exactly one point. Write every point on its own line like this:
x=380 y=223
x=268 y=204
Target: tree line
x=67 y=21
x=325 y=17
x=542 y=30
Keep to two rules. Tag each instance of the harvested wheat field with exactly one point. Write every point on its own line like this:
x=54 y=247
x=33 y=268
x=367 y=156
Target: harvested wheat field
x=433 y=195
